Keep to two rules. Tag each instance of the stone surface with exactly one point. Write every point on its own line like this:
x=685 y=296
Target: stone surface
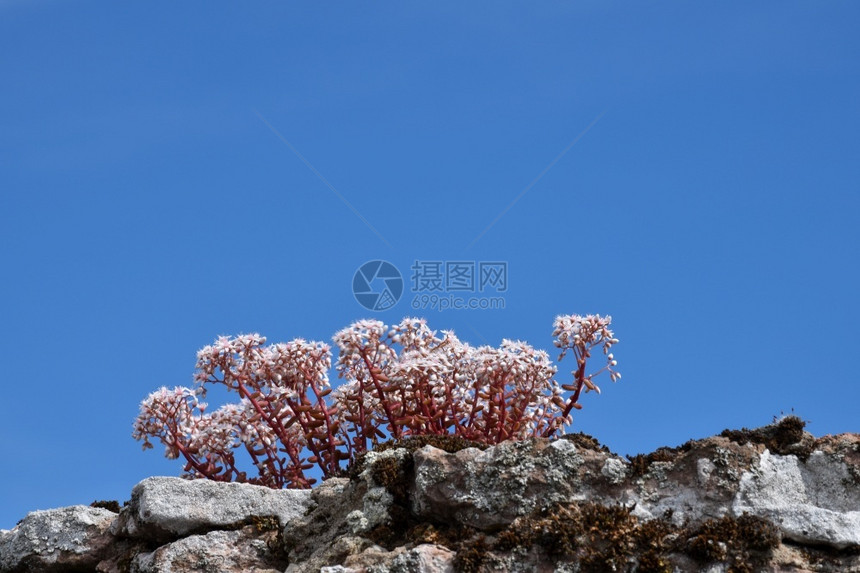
x=487 y=490
x=424 y=558
x=770 y=499
x=816 y=502
x=214 y=552
x=57 y=539
x=345 y=512
x=491 y=488
x=164 y=508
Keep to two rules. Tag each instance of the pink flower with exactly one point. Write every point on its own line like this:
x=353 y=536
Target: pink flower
x=398 y=381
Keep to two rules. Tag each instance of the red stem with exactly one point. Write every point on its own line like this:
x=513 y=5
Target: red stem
x=395 y=428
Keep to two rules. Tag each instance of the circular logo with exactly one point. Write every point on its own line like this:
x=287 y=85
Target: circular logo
x=377 y=285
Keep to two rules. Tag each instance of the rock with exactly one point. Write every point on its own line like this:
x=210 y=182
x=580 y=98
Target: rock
x=770 y=499
x=166 y=508
x=815 y=502
x=216 y=551
x=489 y=489
x=694 y=482
x=425 y=558
x=349 y=516
x=328 y=554
x=57 y=540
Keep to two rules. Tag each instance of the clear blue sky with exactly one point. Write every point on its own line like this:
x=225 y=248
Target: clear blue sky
x=711 y=208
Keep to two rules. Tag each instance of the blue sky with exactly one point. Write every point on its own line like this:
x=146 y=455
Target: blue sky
x=150 y=202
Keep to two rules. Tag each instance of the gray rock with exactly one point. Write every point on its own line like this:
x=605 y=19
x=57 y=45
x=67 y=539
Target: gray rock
x=339 y=549
x=690 y=484
x=408 y=510
x=344 y=514
x=614 y=470
x=214 y=552
x=425 y=558
x=817 y=501
x=165 y=508
x=57 y=539
x=376 y=501
x=490 y=488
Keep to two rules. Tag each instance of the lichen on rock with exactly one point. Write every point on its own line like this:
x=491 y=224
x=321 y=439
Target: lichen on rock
x=774 y=498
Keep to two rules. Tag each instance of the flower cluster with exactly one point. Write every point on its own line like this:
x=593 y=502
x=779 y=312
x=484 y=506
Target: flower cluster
x=401 y=381
x=579 y=334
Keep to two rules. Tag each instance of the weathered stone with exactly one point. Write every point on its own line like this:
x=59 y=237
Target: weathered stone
x=774 y=499
x=62 y=539
x=215 y=552
x=488 y=489
x=693 y=483
x=817 y=501
x=166 y=508
x=345 y=515
x=311 y=539
x=424 y=558
x=330 y=553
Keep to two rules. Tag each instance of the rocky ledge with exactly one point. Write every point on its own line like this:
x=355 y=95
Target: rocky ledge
x=771 y=499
